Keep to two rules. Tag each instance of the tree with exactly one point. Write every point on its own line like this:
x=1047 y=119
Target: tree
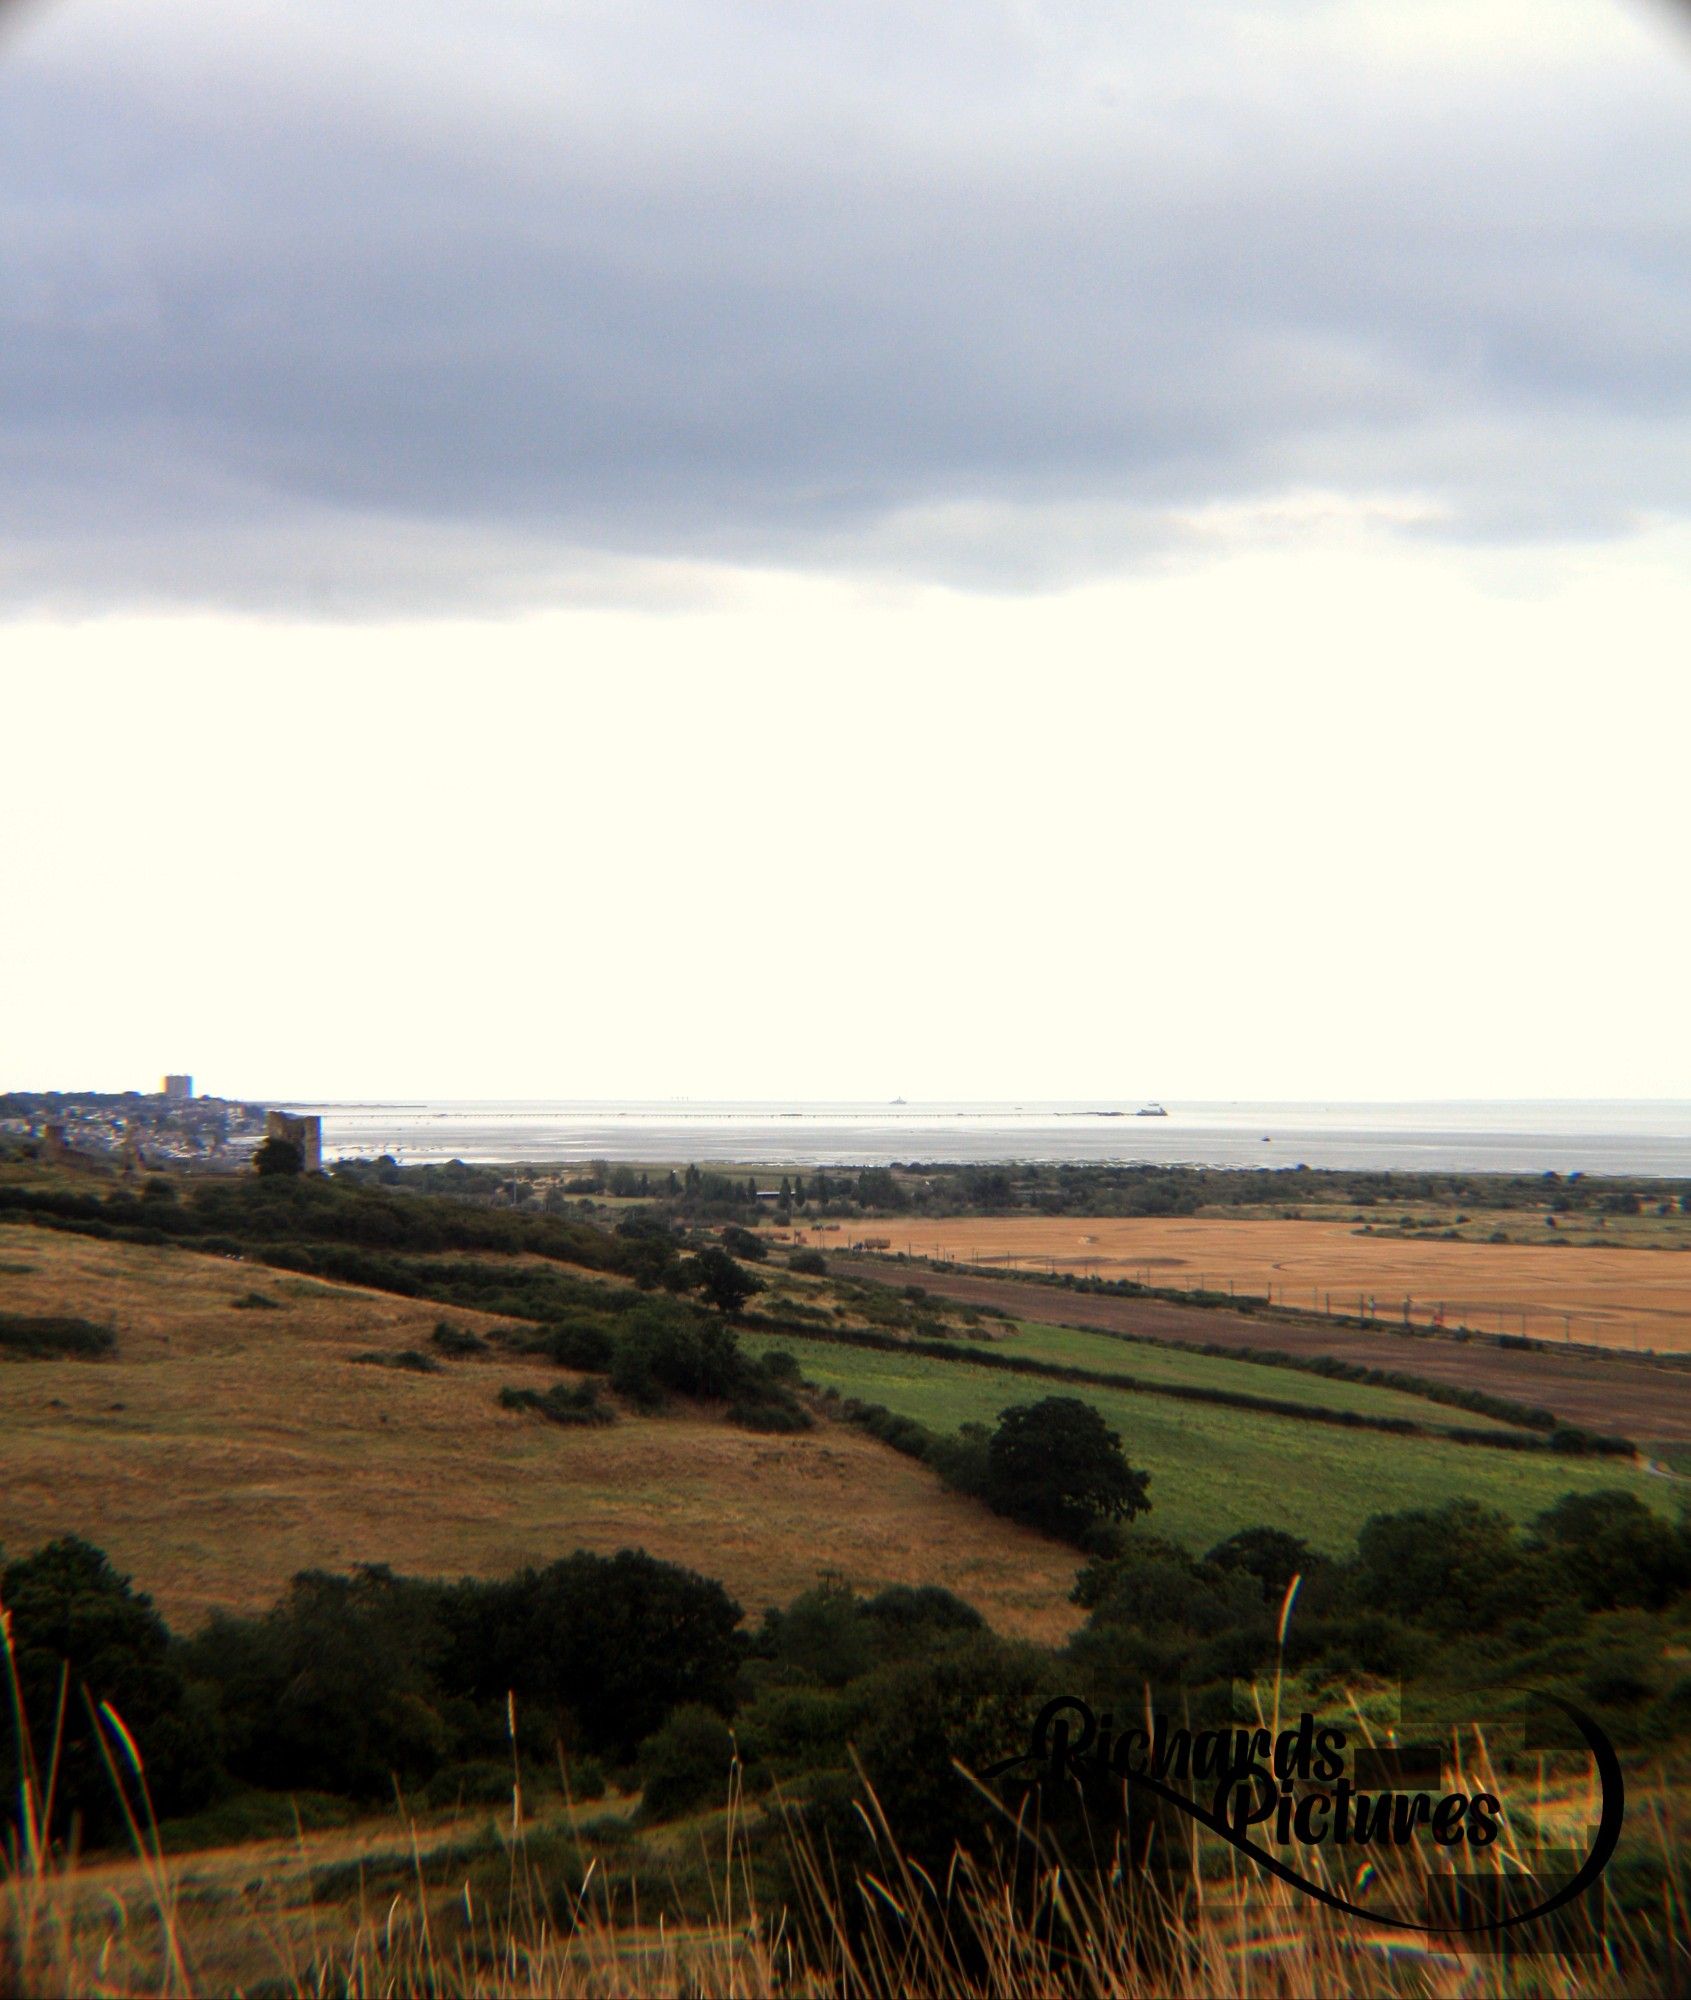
x=1457 y=1566
x=742 y=1243
x=279 y=1156
x=70 y=1609
x=612 y=1644
x=1058 y=1466
x=333 y=1689
x=723 y=1282
x=1271 y=1555
x=1610 y=1549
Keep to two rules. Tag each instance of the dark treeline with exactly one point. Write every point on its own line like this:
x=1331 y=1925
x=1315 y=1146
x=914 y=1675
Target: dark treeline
x=714 y=1195
x=370 y=1235
x=647 y=1675
x=255 y=1212
x=1085 y=1189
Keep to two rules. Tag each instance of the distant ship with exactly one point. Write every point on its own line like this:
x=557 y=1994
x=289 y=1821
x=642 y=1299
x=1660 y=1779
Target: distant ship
x=1150 y=1111
x=898 y=1100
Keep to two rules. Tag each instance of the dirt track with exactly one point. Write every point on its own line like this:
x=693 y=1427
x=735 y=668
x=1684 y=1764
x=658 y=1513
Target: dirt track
x=1596 y=1391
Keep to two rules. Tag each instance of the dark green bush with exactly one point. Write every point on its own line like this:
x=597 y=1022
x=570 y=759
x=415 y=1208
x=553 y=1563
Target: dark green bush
x=452 y=1339
x=687 y=1764
x=768 y=1414
x=577 y=1404
x=37 y=1336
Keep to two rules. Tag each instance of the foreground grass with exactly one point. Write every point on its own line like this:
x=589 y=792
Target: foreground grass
x=1215 y=1471
x=529 y=1907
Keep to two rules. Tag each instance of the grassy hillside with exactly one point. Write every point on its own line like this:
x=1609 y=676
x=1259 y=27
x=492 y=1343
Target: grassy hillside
x=225 y=1446
x=1216 y=1470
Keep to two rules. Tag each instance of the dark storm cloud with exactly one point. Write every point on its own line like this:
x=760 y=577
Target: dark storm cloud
x=437 y=305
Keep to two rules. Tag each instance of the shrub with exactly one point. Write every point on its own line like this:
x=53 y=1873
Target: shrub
x=257 y=1302
x=909 y=1618
x=279 y=1159
x=975 y=1703
x=1270 y=1555
x=821 y=1634
x=452 y=1339
x=686 y=1764
x=811 y=1263
x=585 y=1344
x=483 y=1781
x=579 y=1404
x=771 y=1415
x=670 y=1348
x=37 y=1336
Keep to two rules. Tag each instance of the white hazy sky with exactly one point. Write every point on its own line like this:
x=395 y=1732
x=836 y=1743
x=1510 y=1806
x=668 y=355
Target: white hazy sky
x=1007 y=550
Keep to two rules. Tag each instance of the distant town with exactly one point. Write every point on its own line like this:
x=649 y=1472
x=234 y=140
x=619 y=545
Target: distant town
x=167 y=1127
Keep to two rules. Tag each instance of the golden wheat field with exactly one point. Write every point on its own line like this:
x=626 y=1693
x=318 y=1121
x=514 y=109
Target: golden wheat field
x=223 y=1449
x=1611 y=1298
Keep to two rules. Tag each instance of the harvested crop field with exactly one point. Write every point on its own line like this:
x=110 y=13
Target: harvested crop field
x=224 y=1447
x=1638 y=1299
x=1599 y=1392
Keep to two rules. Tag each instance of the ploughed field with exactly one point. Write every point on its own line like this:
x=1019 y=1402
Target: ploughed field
x=1613 y=1394
x=1621 y=1298
x=221 y=1449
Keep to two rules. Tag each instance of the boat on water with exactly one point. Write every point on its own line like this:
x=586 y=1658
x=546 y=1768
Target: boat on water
x=1150 y=1111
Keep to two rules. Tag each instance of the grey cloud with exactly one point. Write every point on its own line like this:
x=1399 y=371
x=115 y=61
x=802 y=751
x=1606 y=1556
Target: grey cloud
x=483 y=306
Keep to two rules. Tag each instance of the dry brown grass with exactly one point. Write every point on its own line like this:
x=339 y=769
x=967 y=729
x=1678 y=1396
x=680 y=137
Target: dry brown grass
x=422 y=1925
x=222 y=1450
x=1611 y=1298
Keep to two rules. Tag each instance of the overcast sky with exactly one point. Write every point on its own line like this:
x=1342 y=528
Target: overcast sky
x=991 y=549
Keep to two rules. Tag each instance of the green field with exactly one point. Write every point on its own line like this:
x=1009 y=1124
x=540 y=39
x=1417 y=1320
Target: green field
x=1215 y=1470
x=1074 y=1348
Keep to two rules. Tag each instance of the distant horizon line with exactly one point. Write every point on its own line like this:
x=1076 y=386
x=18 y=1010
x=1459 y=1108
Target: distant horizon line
x=1027 y=1101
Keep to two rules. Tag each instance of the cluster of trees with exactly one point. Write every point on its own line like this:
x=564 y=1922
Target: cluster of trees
x=654 y=1348
x=647 y=1673
x=351 y=1682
